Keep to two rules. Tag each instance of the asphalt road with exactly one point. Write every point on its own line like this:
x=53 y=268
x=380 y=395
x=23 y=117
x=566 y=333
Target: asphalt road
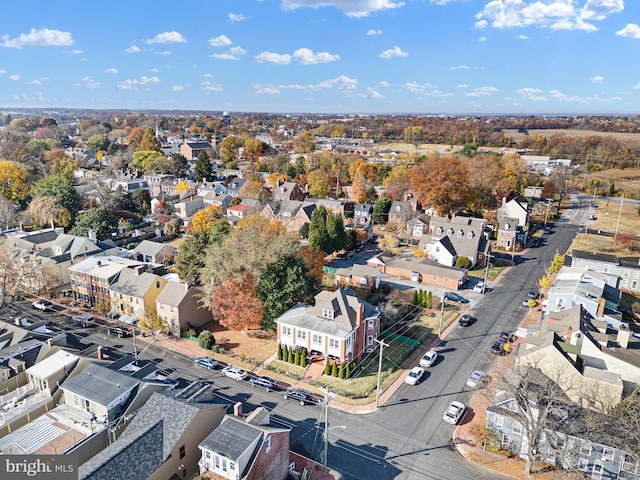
x=406 y=438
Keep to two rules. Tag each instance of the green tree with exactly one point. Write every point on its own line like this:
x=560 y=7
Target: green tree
x=327 y=368
x=304 y=230
x=296 y=357
x=57 y=185
x=149 y=140
x=97 y=142
x=98 y=219
x=191 y=256
x=220 y=229
x=285 y=283
x=429 y=299
x=181 y=164
x=416 y=297
x=612 y=187
x=320 y=183
x=206 y=340
x=203 y=169
x=143 y=158
x=372 y=195
x=336 y=232
x=381 y=210
x=463 y=262
x=279 y=351
x=318 y=235
x=347 y=370
x=173 y=227
x=290 y=355
x=303 y=358
x=334 y=369
x=141 y=200
x=341 y=371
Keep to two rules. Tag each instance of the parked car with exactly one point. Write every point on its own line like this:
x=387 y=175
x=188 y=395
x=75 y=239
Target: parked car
x=235 y=372
x=533 y=294
x=119 y=332
x=414 y=376
x=44 y=305
x=454 y=412
x=507 y=337
x=429 y=359
x=477 y=379
x=454 y=297
x=465 y=320
x=83 y=320
x=479 y=287
x=303 y=396
x=264 y=382
x=497 y=348
x=547 y=230
x=206 y=362
x=535 y=242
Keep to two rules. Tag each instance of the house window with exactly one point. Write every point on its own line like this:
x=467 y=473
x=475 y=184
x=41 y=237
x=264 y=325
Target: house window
x=370 y=324
x=232 y=466
x=217 y=462
x=560 y=441
x=628 y=465
x=571 y=443
x=333 y=343
x=224 y=464
x=585 y=449
x=505 y=440
x=267 y=444
x=499 y=422
x=302 y=335
x=636 y=274
x=370 y=340
x=607 y=455
x=182 y=452
x=582 y=464
x=501 y=240
x=625 y=273
x=634 y=284
x=317 y=338
x=327 y=313
x=517 y=427
x=597 y=471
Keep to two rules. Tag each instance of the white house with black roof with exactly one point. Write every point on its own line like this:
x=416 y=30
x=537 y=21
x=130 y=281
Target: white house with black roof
x=250 y=449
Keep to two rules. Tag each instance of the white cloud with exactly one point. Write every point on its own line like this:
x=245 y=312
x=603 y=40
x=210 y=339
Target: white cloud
x=177 y=88
x=133 y=84
x=351 y=8
x=600 y=9
x=164 y=52
x=133 y=49
x=38 y=81
x=212 y=88
x=223 y=56
x=416 y=87
x=462 y=85
x=481 y=92
x=438 y=93
x=111 y=71
x=371 y=31
x=482 y=39
x=167 y=37
x=630 y=30
x=561 y=97
x=14 y=77
x=236 y=17
x=307 y=57
x=532 y=94
x=269 y=57
x=374 y=94
x=522 y=37
x=76 y=51
x=552 y=14
x=154 y=70
x=393 y=52
x=344 y=83
x=3 y=72
x=88 y=82
x=596 y=79
x=459 y=67
x=265 y=90
x=208 y=75
x=41 y=37
x=384 y=84
x=636 y=86
x=220 y=41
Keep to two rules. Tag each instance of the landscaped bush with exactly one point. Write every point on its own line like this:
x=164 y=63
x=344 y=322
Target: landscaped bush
x=206 y=340
x=279 y=351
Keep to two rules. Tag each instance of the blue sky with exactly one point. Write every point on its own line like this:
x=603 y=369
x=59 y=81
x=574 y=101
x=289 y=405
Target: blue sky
x=324 y=56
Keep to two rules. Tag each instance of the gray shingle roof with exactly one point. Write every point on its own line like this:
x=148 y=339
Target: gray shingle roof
x=232 y=438
x=99 y=384
x=131 y=283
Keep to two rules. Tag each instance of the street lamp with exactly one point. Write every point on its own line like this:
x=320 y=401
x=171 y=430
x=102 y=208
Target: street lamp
x=326 y=444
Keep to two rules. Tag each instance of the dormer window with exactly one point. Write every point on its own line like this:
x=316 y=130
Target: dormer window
x=398 y=208
x=460 y=233
x=327 y=313
x=439 y=230
x=450 y=231
x=471 y=235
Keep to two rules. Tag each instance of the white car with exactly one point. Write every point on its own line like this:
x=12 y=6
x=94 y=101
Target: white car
x=477 y=378
x=479 y=287
x=234 y=372
x=429 y=359
x=454 y=413
x=414 y=376
x=44 y=305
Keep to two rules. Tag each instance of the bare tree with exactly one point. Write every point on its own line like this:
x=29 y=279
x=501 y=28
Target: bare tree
x=8 y=214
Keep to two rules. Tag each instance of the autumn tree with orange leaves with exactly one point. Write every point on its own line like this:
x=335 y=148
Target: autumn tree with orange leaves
x=234 y=303
x=203 y=219
x=314 y=260
x=440 y=183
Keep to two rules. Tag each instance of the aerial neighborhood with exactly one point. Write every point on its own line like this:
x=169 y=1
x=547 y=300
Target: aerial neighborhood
x=479 y=286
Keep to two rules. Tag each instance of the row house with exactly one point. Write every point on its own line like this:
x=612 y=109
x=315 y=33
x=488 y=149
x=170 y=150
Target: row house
x=178 y=305
x=339 y=325
x=449 y=239
x=623 y=272
x=509 y=234
x=134 y=292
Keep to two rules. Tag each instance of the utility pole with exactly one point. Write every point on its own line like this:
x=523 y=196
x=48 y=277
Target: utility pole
x=382 y=345
x=615 y=236
x=442 y=298
x=328 y=396
x=486 y=272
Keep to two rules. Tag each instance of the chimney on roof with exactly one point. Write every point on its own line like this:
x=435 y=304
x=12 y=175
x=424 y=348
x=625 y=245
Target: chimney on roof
x=92 y=234
x=100 y=353
x=237 y=409
x=504 y=201
x=624 y=333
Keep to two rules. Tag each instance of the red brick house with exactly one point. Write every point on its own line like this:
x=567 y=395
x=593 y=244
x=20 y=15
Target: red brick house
x=339 y=324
